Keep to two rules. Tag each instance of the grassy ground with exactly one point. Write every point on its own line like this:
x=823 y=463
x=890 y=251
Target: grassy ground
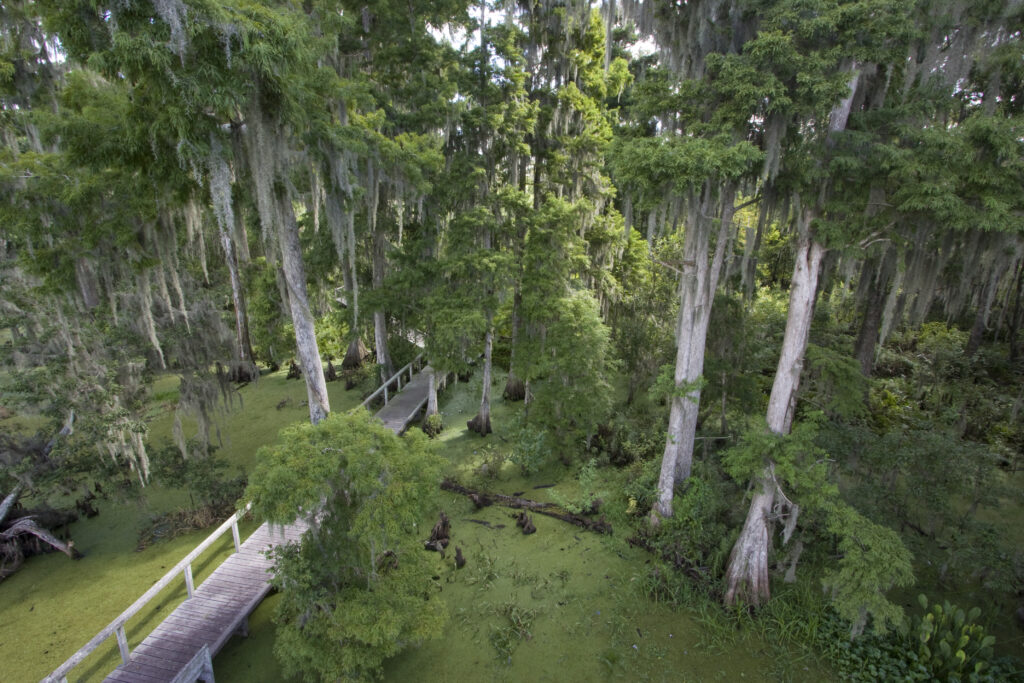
x=562 y=604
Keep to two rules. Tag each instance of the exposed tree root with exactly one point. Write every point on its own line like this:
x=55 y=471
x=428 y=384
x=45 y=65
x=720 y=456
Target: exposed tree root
x=480 y=424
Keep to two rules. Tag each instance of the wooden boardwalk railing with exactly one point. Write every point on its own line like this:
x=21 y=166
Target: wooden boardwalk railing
x=397 y=377
x=181 y=648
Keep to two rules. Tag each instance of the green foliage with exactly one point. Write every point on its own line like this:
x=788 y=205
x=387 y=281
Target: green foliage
x=530 y=449
x=641 y=489
x=698 y=533
x=432 y=425
x=873 y=560
x=357 y=589
x=951 y=644
x=833 y=383
x=201 y=475
x=569 y=378
x=941 y=645
x=586 y=495
x=506 y=637
x=271 y=335
x=797 y=461
x=665 y=387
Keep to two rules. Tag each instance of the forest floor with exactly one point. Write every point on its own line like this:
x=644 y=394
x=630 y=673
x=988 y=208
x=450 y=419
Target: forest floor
x=560 y=605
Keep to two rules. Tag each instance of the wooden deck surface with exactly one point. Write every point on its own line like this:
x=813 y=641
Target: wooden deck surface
x=223 y=602
x=218 y=607
x=403 y=408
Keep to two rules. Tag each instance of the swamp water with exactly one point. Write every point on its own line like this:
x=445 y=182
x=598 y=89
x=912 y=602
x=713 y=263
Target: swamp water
x=560 y=605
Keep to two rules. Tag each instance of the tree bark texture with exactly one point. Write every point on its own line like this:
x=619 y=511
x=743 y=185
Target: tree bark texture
x=1015 y=317
x=874 y=307
x=431 y=391
x=747 y=573
x=988 y=296
x=243 y=346
x=302 y=318
x=481 y=424
x=696 y=294
x=380 y=329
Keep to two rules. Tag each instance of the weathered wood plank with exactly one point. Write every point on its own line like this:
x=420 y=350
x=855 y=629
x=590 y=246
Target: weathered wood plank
x=135 y=672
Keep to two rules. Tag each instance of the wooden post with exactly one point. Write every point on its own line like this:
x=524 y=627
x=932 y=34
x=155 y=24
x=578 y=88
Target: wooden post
x=122 y=644
x=189 y=585
x=399 y=381
x=234 y=534
x=385 y=394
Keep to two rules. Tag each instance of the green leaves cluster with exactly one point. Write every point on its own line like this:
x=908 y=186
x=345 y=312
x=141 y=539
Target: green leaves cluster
x=357 y=589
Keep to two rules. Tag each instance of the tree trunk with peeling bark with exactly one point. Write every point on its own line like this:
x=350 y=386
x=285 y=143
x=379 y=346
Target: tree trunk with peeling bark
x=696 y=293
x=380 y=328
x=481 y=424
x=302 y=318
x=874 y=308
x=431 y=391
x=243 y=345
x=747 y=572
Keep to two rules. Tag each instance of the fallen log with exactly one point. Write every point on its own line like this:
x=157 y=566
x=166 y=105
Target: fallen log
x=601 y=526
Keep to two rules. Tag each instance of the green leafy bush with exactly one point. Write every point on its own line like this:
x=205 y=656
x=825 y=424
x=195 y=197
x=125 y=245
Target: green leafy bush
x=201 y=476
x=944 y=644
x=587 y=494
x=530 y=449
x=432 y=425
x=357 y=589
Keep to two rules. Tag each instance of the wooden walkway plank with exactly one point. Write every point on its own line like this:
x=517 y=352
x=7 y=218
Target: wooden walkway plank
x=219 y=604
x=403 y=408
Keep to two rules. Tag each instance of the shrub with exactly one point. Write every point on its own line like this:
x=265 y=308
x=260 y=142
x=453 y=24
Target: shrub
x=357 y=589
x=432 y=425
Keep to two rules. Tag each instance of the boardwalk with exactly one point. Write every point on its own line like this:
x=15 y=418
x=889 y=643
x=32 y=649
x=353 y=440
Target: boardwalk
x=403 y=408
x=218 y=609
x=181 y=648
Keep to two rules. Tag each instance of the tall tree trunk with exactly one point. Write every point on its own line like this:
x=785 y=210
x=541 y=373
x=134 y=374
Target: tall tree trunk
x=431 y=391
x=481 y=424
x=241 y=234
x=243 y=346
x=696 y=295
x=746 y=575
x=515 y=390
x=874 y=307
x=1015 y=317
x=298 y=303
x=988 y=296
x=380 y=329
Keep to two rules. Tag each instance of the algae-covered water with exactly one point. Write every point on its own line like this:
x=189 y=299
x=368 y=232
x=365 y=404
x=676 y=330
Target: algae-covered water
x=559 y=605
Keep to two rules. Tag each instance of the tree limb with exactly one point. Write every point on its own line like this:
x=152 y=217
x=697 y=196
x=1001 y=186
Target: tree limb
x=483 y=499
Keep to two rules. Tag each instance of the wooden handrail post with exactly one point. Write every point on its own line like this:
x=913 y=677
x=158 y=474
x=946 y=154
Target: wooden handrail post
x=122 y=644
x=234 y=534
x=189 y=584
x=385 y=394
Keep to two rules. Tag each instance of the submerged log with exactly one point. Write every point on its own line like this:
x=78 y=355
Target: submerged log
x=601 y=526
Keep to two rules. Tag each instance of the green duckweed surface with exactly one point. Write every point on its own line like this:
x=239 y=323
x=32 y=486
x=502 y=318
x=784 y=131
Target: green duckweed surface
x=560 y=605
